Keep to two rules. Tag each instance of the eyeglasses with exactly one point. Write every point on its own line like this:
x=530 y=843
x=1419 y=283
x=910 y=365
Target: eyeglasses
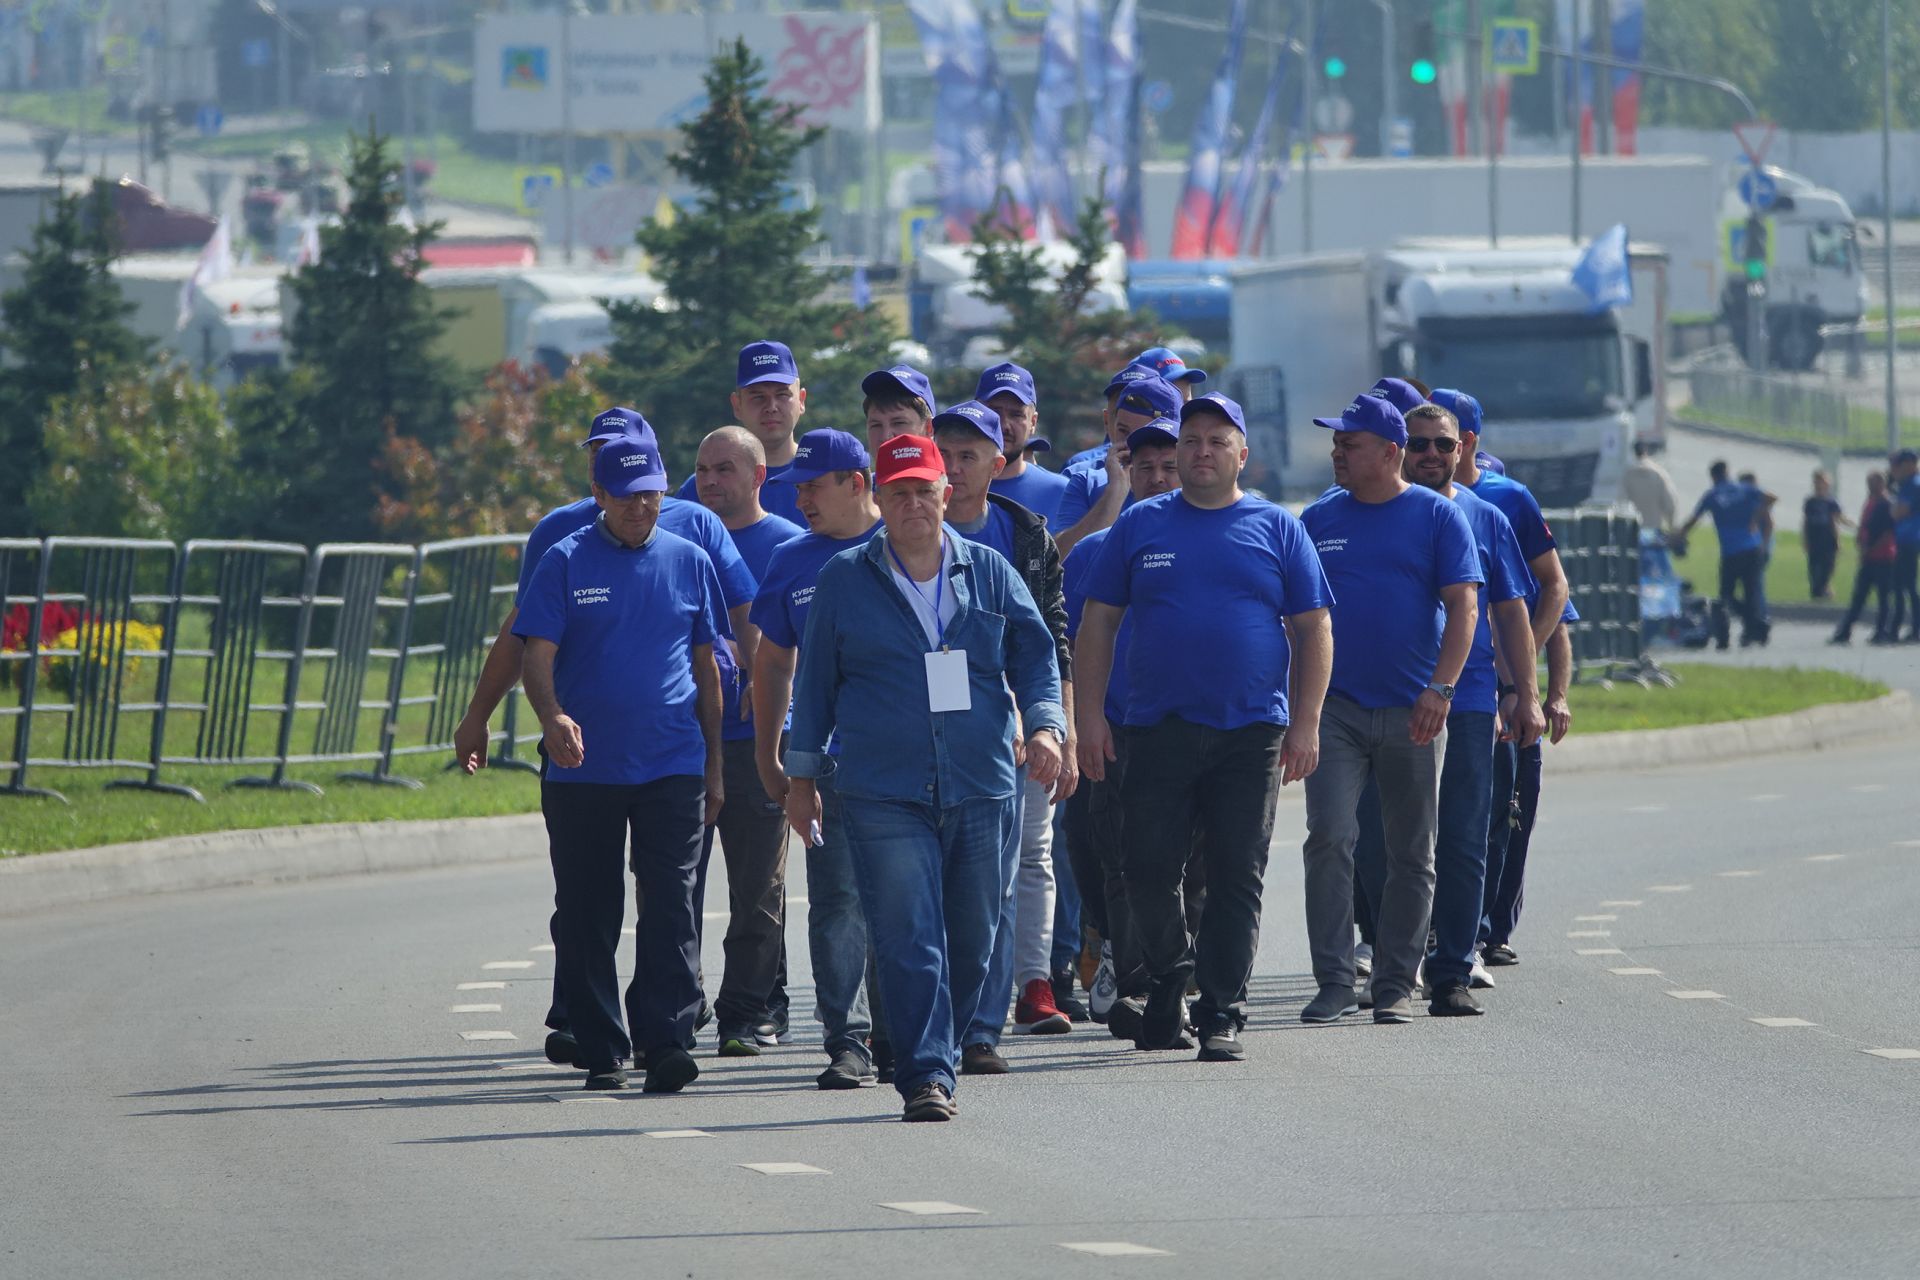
x=1440 y=444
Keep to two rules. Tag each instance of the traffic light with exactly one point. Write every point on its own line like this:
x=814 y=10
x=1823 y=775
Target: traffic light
x=1753 y=247
x=161 y=124
x=1335 y=67
x=1422 y=70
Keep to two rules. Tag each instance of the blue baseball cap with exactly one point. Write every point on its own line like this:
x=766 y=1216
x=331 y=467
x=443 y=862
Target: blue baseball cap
x=766 y=362
x=822 y=453
x=1487 y=462
x=1129 y=375
x=1370 y=412
x=630 y=464
x=611 y=424
x=1400 y=393
x=902 y=379
x=1164 y=362
x=1214 y=402
x=1159 y=431
x=1464 y=408
x=1009 y=379
x=971 y=413
x=1152 y=395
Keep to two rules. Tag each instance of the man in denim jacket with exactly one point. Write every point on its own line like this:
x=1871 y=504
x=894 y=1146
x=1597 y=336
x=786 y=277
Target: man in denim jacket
x=918 y=647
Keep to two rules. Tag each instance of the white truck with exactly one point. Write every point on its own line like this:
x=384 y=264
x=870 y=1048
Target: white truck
x=1813 y=271
x=1565 y=388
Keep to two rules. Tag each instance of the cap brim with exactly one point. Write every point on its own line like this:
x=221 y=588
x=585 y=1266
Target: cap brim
x=1333 y=424
x=912 y=473
x=882 y=383
x=984 y=394
x=1151 y=435
x=788 y=378
x=1189 y=375
x=640 y=484
x=1039 y=444
x=601 y=437
x=794 y=475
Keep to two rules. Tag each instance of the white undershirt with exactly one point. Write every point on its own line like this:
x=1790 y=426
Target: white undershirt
x=920 y=594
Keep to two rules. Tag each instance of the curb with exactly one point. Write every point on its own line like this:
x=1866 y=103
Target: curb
x=270 y=855
x=1822 y=728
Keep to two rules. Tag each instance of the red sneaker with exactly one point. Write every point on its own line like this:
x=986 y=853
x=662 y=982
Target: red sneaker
x=1035 y=1014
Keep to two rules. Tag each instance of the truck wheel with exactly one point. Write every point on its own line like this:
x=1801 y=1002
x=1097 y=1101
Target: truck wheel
x=1796 y=342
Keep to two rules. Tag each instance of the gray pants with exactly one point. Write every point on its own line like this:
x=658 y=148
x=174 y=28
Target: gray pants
x=1357 y=744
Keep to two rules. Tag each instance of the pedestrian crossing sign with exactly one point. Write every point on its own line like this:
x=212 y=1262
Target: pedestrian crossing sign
x=1513 y=46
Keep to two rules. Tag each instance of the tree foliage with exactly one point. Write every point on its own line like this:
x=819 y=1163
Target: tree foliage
x=735 y=269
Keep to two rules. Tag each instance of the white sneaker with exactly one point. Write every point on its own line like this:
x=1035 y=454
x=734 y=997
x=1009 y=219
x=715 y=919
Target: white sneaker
x=1478 y=978
x=1363 y=993
x=1105 y=988
x=1362 y=959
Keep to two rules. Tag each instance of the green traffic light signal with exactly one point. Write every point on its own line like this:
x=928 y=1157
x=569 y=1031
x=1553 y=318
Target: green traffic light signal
x=1423 y=72
x=1335 y=68
x=1756 y=270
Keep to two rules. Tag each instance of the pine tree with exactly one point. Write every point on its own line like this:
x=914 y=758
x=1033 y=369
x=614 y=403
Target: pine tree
x=66 y=335
x=734 y=269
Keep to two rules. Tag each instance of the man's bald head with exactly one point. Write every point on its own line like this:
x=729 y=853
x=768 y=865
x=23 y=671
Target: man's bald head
x=731 y=467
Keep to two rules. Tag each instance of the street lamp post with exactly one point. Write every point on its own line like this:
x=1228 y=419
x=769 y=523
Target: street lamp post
x=1388 y=61
x=1886 y=215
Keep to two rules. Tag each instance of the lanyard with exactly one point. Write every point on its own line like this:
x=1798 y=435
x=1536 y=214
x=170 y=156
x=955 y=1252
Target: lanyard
x=939 y=586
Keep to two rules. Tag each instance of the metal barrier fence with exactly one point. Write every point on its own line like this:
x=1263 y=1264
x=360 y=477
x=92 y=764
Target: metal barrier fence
x=1600 y=551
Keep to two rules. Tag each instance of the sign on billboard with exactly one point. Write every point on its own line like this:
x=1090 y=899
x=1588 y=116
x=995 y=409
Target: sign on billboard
x=635 y=73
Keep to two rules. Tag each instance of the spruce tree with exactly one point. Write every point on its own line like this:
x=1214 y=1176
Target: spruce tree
x=66 y=335
x=734 y=269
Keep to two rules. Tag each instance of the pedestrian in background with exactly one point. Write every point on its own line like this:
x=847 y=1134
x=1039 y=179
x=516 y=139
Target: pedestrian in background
x=1821 y=521
x=1874 y=538
x=1904 y=490
x=1738 y=511
x=1649 y=488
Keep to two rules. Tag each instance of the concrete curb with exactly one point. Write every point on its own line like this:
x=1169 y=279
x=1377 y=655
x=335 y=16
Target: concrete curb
x=1821 y=728
x=219 y=859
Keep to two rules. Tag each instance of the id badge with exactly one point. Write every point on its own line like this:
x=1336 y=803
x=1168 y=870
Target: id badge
x=947 y=686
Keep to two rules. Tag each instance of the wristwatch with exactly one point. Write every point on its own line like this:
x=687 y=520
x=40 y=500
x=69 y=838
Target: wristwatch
x=1444 y=690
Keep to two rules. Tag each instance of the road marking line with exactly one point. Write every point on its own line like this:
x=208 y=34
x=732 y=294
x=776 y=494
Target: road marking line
x=1624 y=902
x=1737 y=875
x=1898 y=1055
x=473 y=1008
x=508 y=964
x=1648 y=808
x=1669 y=888
x=1906 y=844
x=1590 y=933
x=1116 y=1249
x=1594 y=919
x=1783 y=1022
x=488 y=1035
x=1696 y=995
x=528 y=1066
x=1600 y=951
x=582 y=1096
x=1865 y=787
x=1765 y=796
x=678 y=1133
x=1826 y=857
x=1635 y=972
x=777 y=1167
x=545 y=946
x=928 y=1208
x=479 y=986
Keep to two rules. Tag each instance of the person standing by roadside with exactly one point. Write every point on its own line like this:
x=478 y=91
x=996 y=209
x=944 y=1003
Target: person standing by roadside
x=1737 y=510
x=1821 y=521
x=1649 y=488
x=919 y=648
x=1904 y=484
x=1226 y=673
x=620 y=623
x=1874 y=538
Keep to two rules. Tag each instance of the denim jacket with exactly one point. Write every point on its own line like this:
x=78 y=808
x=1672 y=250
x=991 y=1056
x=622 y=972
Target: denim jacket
x=862 y=674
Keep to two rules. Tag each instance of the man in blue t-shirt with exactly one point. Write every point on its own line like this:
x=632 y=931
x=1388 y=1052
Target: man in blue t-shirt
x=830 y=471
x=1498 y=696
x=1093 y=811
x=1738 y=510
x=1406 y=575
x=1096 y=491
x=1226 y=673
x=1903 y=490
x=1008 y=390
x=620 y=623
x=767 y=401
x=752 y=1005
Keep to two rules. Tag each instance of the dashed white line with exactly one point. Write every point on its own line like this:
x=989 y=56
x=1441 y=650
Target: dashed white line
x=1624 y=902
x=1599 y=951
x=1635 y=971
x=1783 y=1022
x=1906 y=844
x=473 y=1008
x=777 y=1168
x=1696 y=995
x=1737 y=875
x=488 y=1035
x=1826 y=857
x=928 y=1208
x=1647 y=808
x=508 y=964
x=1594 y=919
x=479 y=986
x=1765 y=796
x=678 y=1133
x=1590 y=933
x=581 y=1096
x=1669 y=888
x=1864 y=787
x=1898 y=1055
x=1116 y=1249
x=528 y=1066
x=545 y=946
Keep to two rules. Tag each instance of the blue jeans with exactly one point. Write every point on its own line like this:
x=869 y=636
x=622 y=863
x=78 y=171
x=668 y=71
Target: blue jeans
x=990 y=1014
x=1515 y=797
x=933 y=882
x=1066 y=902
x=837 y=935
x=1460 y=848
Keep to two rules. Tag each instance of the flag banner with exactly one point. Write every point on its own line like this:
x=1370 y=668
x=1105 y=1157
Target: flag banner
x=1120 y=129
x=965 y=116
x=215 y=264
x=1603 y=272
x=1201 y=196
x=1223 y=237
x=1054 y=94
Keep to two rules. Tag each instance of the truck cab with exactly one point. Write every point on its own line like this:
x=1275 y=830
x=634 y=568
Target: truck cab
x=1814 y=275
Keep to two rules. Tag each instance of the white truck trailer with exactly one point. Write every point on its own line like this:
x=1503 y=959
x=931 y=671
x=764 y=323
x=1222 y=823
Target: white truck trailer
x=1566 y=388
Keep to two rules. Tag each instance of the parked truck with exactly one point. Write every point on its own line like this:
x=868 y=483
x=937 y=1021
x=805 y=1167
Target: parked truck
x=1566 y=387
x=1813 y=271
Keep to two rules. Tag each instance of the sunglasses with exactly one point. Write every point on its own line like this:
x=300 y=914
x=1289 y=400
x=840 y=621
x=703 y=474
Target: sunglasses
x=1440 y=444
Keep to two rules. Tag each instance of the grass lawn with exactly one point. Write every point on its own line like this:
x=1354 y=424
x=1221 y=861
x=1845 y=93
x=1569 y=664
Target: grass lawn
x=1786 y=572
x=64 y=109
x=1708 y=694
x=1866 y=431
x=461 y=175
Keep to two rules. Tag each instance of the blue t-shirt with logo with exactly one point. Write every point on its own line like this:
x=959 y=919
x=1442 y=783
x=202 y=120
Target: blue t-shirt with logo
x=778 y=497
x=1517 y=504
x=996 y=531
x=755 y=544
x=687 y=520
x=1083 y=488
x=786 y=588
x=1038 y=490
x=626 y=620
x=1387 y=562
x=1207 y=590
x=1504 y=569
x=1734 y=507
x=1906 y=532
x=1073 y=585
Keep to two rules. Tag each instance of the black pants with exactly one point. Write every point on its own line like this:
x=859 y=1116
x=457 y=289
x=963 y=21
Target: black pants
x=1906 y=592
x=1823 y=545
x=1743 y=591
x=1221 y=784
x=1873 y=576
x=588 y=829
x=753 y=839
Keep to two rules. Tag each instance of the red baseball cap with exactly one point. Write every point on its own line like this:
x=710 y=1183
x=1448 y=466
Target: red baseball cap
x=908 y=458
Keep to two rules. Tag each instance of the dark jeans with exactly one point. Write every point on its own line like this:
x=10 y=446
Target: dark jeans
x=1223 y=785
x=1906 y=591
x=1823 y=546
x=753 y=840
x=1743 y=590
x=1515 y=797
x=589 y=826
x=1874 y=576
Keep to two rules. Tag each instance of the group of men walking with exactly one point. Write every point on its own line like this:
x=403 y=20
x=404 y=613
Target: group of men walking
x=928 y=657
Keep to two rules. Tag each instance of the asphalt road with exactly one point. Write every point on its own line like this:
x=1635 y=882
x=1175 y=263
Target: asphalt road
x=273 y=1081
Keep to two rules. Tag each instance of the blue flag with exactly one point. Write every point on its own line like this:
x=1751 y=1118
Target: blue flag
x=1603 y=272
x=1054 y=94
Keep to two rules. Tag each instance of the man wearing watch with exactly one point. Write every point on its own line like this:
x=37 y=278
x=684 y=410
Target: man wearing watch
x=919 y=646
x=1406 y=577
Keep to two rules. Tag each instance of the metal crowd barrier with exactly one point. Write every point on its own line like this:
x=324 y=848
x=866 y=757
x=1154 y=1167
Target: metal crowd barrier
x=1600 y=550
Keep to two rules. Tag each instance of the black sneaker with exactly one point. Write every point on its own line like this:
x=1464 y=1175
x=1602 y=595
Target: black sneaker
x=738 y=1042
x=1123 y=1019
x=605 y=1080
x=1333 y=1003
x=1453 y=1001
x=883 y=1061
x=562 y=1049
x=1064 y=1000
x=700 y=1020
x=930 y=1101
x=1165 y=1016
x=1391 y=1008
x=848 y=1070
x=981 y=1060
x=669 y=1070
x=1220 y=1042
x=1495 y=957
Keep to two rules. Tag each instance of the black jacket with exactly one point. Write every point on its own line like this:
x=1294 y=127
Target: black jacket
x=1037 y=560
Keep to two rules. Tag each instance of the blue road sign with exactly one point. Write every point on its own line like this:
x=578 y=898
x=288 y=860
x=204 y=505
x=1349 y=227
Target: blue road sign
x=256 y=54
x=598 y=175
x=208 y=120
x=534 y=189
x=1758 y=189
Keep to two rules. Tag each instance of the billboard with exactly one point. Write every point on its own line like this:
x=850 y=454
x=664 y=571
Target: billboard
x=641 y=73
